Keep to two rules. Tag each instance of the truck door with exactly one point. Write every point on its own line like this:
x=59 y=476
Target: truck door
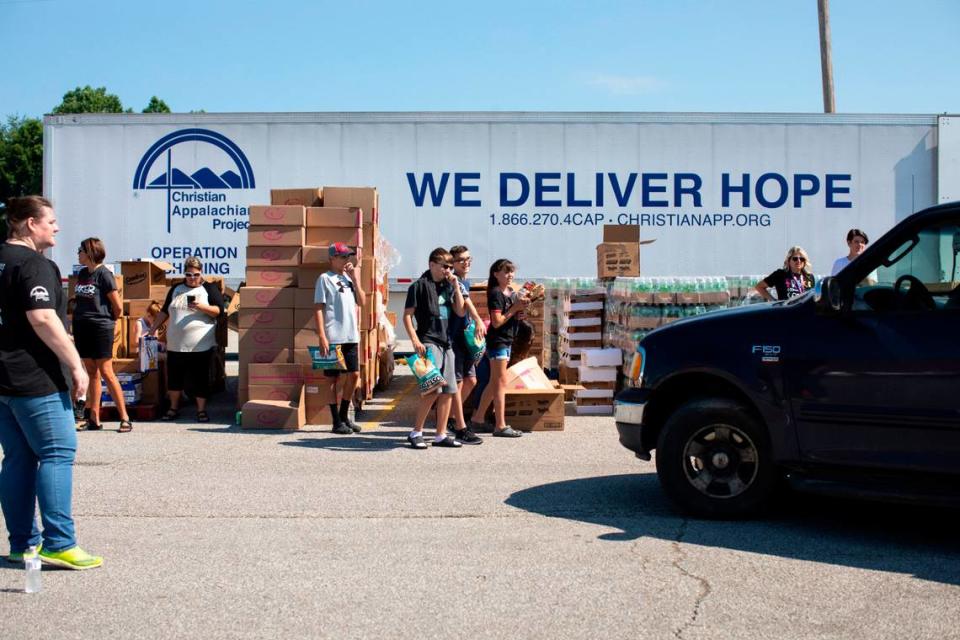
x=881 y=385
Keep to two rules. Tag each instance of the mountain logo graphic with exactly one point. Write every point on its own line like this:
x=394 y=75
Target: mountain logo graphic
x=169 y=177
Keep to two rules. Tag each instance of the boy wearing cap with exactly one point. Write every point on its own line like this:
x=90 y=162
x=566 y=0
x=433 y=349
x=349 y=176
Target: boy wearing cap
x=336 y=296
x=433 y=300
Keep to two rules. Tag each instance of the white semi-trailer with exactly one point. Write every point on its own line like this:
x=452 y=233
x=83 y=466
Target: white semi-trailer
x=721 y=193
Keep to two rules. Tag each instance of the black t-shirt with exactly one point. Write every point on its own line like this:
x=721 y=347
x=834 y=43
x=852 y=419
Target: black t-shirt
x=498 y=338
x=787 y=284
x=431 y=328
x=28 y=281
x=93 y=306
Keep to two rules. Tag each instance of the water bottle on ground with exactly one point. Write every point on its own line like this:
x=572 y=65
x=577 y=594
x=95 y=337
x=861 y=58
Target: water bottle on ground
x=31 y=566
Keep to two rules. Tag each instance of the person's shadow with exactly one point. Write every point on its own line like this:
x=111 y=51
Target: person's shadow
x=883 y=537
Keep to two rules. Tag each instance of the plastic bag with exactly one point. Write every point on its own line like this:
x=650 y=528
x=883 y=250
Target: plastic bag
x=149 y=348
x=333 y=361
x=429 y=378
x=476 y=346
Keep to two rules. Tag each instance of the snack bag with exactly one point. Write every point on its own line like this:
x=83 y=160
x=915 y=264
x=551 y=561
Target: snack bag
x=425 y=370
x=332 y=361
x=149 y=353
x=533 y=291
x=475 y=346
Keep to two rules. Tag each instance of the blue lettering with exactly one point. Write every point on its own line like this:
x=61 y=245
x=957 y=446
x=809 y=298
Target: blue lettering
x=540 y=189
x=798 y=189
x=693 y=190
x=622 y=196
x=743 y=189
x=459 y=189
x=649 y=188
x=505 y=200
x=833 y=189
x=419 y=193
x=571 y=193
x=784 y=190
x=599 y=183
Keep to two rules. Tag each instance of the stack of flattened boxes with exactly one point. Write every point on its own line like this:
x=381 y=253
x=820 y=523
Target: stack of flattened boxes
x=266 y=319
x=367 y=201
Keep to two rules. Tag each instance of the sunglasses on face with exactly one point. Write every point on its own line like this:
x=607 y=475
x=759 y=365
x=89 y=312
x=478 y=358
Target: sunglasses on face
x=465 y=260
x=445 y=265
x=191 y=275
x=797 y=259
x=80 y=250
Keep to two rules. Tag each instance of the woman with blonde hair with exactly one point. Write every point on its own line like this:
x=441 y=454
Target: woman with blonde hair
x=794 y=279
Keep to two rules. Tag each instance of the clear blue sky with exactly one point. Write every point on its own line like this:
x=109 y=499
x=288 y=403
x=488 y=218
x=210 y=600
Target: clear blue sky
x=673 y=55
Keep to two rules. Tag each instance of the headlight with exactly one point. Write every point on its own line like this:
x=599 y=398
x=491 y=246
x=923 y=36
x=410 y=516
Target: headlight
x=636 y=367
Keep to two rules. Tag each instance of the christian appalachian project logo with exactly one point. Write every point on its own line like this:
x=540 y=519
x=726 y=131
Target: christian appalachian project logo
x=200 y=193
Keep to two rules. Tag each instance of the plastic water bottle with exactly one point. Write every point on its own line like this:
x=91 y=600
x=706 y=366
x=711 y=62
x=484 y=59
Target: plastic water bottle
x=31 y=566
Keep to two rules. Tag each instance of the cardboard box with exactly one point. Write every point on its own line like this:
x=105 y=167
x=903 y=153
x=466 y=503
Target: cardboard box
x=304 y=338
x=265 y=339
x=618 y=259
x=597 y=374
x=303 y=299
x=277 y=214
x=126 y=365
x=535 y=410
x=273 y=256
x=119 y=339
x=317 y=396
x=621 y=233
x=141 y=275
x=527 y=374
x=307 y=277
x=138 y=308
x=267 y=298
x=266 y=318
x=281 y=392
x=274 y=236
x=152 y=388
x=305 y=319
x=132 y=346
x=602 y=358
x=325 y=236
x=274 y=373
x=305 y=197
x=274 y=414
x=254 y=354
x=303 y=358
x=371 y=236
x=316 y=256
x=271 y=276
x=334 y=217
x=159 y=292
x=365 y=198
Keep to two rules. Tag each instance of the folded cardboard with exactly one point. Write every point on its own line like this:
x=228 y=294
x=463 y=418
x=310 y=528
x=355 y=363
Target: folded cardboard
x=334 y=217
x=308 y=197
x=267 y=297
x=274 y=236
x=273 y=256
x=141 y=275
x=280 y=214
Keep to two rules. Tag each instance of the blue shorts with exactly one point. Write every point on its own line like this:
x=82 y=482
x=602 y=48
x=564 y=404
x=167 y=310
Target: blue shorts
x=498 y=353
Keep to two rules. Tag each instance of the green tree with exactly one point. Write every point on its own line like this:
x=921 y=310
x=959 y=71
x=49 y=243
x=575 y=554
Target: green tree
x=89 y=100
x=157 y=106
x=21 y=157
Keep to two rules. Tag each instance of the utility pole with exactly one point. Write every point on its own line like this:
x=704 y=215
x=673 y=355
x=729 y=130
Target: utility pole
x=826 y=64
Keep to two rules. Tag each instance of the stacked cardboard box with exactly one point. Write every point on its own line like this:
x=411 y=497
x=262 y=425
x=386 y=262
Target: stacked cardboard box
x=598 y=374
x=288 y=250
x=533 y=402
x=619 y=253
x=535 y=314
x=581 y=324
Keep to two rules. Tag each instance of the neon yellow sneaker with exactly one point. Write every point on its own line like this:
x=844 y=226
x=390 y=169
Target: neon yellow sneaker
x=72 y=558
x=17 y=557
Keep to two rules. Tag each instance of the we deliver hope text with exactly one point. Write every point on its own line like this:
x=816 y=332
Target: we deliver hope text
x=770 y=190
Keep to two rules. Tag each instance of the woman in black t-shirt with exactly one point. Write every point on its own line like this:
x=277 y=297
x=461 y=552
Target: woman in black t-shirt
x=36 y=414
x=94 y=322
x=794 y=279
x=504 y=305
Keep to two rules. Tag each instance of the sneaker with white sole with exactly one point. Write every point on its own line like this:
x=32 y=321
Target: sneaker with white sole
x=73 y=558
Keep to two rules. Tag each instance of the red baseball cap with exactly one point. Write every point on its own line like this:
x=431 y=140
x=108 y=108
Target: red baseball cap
x=340 y=249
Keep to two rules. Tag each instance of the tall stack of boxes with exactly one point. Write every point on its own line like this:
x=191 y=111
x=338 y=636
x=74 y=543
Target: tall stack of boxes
x=580 y=326
x=287 y=251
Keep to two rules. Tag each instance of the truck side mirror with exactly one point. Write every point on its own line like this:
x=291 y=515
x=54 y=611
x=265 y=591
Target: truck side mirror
x=830 y=293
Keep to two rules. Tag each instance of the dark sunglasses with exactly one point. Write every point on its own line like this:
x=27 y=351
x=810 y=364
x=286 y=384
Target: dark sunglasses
x=798 y=258
x=81 y=250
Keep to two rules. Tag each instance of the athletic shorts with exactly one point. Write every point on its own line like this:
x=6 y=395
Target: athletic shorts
x=446 y=362
x=94 y=340
x=466 y=367
x=350 y=352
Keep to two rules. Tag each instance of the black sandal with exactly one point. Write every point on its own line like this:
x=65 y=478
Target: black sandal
x=125 y=426
x=202 y=416
x=94 y=426
x=171 y=414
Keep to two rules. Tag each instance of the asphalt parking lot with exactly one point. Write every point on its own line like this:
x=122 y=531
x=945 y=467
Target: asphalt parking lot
x=209 y=531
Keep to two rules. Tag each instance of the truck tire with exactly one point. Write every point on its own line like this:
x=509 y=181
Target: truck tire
x=714 y=460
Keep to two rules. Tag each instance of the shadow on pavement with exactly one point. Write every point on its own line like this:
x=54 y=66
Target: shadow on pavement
x=865 y=535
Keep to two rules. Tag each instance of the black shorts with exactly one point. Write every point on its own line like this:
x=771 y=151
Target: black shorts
x=465 y=366
x=94 y=339
x=350 y=352
x=190 y=372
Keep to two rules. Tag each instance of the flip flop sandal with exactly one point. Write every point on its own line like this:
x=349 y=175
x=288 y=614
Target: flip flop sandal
x=171 y=414
x=507 y=432
x=94 y=426
x=202 y=416
x=125 y=426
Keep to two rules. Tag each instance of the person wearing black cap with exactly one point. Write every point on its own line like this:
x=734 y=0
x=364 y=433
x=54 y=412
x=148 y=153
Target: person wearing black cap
x=336 y=296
